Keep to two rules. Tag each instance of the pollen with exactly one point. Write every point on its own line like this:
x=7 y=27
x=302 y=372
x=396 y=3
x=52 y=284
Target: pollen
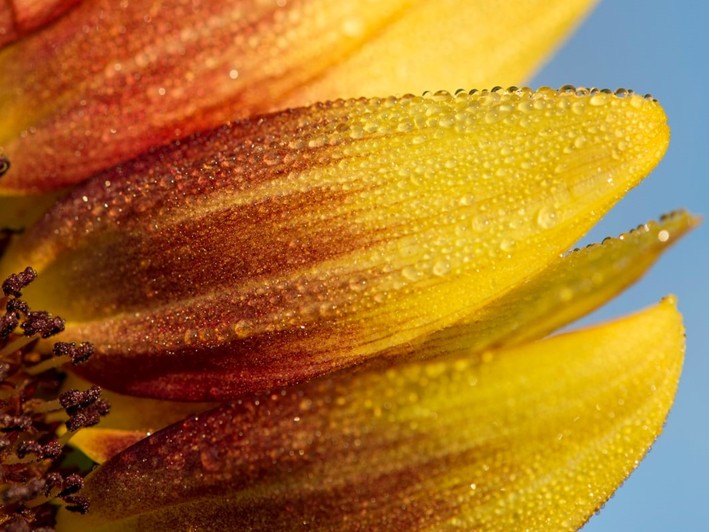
x=32 y=409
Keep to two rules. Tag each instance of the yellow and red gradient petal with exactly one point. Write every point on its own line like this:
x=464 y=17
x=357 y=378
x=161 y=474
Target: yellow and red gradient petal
x=533 y=437
x=290 y=245
x=21 y=17
x=131 y=420
x=112 y=79
x=565 y=291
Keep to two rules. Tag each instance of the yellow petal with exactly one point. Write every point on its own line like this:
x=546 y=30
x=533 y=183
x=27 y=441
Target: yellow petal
x=535 y=437
x=101 y=444
x=17 y=212
x=568 y=289
x=110 y=80
x=471 y=44
x=284 y=247
x=131 y=420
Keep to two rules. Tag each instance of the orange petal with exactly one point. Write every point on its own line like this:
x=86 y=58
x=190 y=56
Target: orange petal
x=112 y=79
x=20 y=17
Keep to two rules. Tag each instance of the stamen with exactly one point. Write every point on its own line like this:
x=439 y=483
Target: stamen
x=43 y=324
x=77 y=504
x=30 y=413
x=78 y=353
x=17 y=281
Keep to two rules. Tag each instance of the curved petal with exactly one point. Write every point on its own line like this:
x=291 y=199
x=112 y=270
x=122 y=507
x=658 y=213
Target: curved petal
x=570 y=288
x=131 y=420
x=272 y=250
x=112 y=79
x=535 y=437
x=20 y=17
x=472 y=44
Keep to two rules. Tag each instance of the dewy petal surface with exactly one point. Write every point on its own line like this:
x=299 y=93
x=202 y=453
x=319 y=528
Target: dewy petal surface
x=20 y=17
x=111 y=79
x=287 y=246
x=131 y=420
x=534 y=437
x=573 y=286
x=568 y=289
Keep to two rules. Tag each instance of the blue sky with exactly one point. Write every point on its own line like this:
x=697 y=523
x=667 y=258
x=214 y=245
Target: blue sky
x=659 y=47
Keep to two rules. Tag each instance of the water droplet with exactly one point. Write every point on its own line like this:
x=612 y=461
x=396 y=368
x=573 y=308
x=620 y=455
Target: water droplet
x=507 y=245
x=326 y=310
x=525 y=106
x=546 y=217
x=663 y=236
x=566 y=294
x=357 y=284
x=410 y=273
x=317 y=142
x=271 y=158
x=190 y=336
x=466 y=201
x=578 y=107
x=490 y=117
x=598 y=99
x=242 y=328
x=210 y=459
x=580 y=141
x=441 y=268
x=481 y=222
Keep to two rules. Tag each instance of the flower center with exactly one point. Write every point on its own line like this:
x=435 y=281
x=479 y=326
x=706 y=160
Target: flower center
x=34 y=475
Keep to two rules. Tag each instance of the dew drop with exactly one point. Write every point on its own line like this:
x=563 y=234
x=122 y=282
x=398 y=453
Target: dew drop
x=546 y=217
x=566 y=294
x=507 y=245
x=357 y=284
x=326 y=310
x=578 y=107
x=242 y=328
x=410 y=273
x=663 y=236
x=525 y=106
x=211 y=460
x=271 y=159
x=466 y=201
x=598 y=99
x=480 y=223
x=441 y=268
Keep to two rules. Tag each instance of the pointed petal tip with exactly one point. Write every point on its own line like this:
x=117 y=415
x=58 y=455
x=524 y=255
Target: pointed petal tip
x=539 y=436
x=329 y=233
x=577 y=283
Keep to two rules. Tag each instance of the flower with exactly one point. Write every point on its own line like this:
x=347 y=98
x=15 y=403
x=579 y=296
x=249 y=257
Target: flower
x=363 y=285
